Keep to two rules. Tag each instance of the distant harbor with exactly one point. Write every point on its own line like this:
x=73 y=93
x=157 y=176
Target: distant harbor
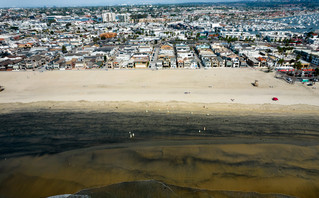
x=301 y=24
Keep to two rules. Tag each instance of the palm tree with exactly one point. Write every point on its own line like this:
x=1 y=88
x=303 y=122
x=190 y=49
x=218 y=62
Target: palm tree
x=281 y=61
x=298 y=65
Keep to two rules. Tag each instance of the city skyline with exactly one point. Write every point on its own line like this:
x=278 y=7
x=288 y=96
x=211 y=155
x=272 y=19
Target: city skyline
x=72 y=3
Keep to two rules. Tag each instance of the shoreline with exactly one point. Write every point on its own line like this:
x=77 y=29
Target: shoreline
x=68 y=125
x=172 y=107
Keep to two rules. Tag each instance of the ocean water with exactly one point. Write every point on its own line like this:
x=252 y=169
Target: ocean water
x=38 y=133
x=47 y=153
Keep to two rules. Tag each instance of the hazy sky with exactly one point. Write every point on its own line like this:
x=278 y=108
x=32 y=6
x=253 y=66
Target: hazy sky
x=41 y=3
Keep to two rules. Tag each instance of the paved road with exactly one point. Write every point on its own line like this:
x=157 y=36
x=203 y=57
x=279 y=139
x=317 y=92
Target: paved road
x=198 y=59
x=154 y=58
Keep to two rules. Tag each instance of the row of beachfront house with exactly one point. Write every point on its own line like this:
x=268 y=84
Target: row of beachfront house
x=144 y=56
x=216 y=55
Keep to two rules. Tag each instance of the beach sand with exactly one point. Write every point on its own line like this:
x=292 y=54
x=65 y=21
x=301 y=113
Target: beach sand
x=275 y=162
x=218 y=85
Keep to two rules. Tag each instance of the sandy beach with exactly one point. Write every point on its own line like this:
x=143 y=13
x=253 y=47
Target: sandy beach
x=220 y=85
x=64 y=131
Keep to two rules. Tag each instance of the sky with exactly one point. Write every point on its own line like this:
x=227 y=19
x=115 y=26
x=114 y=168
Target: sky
x=61 y=3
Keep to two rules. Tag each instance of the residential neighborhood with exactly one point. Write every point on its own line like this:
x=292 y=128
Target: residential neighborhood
x=159 y=37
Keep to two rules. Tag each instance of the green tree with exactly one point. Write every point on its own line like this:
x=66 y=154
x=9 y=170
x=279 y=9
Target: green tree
x=95 y=39
x=280 y=50
x=64 y=50
x=298 y=57
x=281 y=61
x=298 y=65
